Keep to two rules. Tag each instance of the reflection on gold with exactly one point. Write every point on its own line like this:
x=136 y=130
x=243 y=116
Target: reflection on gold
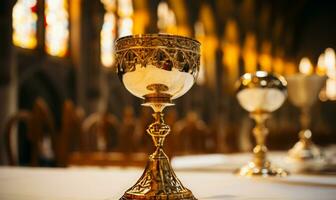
x=305 y=66
x=250 y=53
x=57 y=27
x=265 y=58
x=24 y=24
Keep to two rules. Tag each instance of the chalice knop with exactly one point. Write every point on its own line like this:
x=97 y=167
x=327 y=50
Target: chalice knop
x=157 y=68
x=303 y=92
x=260 y=94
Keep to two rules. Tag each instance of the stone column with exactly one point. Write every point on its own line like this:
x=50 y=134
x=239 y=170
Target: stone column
x=86 y=23
x=8 y=76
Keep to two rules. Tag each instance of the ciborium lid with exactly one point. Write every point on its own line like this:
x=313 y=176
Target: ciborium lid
x=261 y=91
x=159 y=66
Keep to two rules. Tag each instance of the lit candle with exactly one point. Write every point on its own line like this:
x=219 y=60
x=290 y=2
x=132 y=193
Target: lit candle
x=304 y=87
x=321 y=67
x=303 y=91
x=330 y=64
x=305 y=66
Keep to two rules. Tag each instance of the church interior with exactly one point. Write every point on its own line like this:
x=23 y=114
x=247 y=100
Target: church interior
x=64 y=102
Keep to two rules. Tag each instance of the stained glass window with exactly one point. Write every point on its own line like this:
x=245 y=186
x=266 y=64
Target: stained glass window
x=118 y=13
x=24 y=24
x=125 y=13
x=107 y=37
x=57 y=27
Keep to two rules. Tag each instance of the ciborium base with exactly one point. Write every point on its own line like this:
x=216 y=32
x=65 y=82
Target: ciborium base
x=251 y=169
x=260 y=165
x=300 y=152
x=306 y=156
x=305 y=149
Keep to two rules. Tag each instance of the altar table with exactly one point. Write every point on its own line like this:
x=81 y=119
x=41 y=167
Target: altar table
x=109 y=184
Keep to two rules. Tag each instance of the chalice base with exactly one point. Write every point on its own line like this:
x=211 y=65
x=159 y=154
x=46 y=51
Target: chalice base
x=306 y=157
x=158 y=182
x=264 y=170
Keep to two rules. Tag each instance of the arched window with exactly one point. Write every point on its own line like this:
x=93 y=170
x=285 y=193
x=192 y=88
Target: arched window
x=118 y=18
x=57 y=27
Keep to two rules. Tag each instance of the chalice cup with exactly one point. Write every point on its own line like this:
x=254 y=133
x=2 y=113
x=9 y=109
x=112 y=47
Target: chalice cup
x=303 y=92
x=261 y=93
x=157 y=68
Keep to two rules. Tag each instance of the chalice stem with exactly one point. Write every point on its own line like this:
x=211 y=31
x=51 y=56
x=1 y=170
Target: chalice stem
x=260 y=132
x=159 y=131
x=158 y=180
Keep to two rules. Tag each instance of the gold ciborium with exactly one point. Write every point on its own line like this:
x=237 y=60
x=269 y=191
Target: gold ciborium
x=303 y=92
x=157 y=68
x=260 y=94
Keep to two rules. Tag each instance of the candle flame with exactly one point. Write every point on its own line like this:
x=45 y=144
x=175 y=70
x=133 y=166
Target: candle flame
x=330 y=62
x=331 y=89
x=321 y=67
x=305 y=66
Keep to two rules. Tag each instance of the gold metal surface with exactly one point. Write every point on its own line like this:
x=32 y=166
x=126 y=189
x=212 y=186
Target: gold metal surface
x=262 y=79
x=161 y=50
x=303 y=92
x=161 y=54
x=260 y=165
x=157 y=59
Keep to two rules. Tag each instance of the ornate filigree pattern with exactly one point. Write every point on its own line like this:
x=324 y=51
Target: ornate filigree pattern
x=158 y=182
x=161 y=50
x=173 y=63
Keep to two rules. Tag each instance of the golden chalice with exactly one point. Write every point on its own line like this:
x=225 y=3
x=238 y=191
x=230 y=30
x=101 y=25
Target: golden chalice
x=157 y=68
x=303 y=92
x=260 y=94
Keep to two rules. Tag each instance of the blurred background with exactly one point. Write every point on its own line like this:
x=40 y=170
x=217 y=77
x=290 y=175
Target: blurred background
x=61 y=102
